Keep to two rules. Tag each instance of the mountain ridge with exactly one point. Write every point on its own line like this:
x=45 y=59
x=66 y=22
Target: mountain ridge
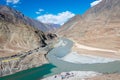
x=24 y=42
x=100 y=24
x=20 y=33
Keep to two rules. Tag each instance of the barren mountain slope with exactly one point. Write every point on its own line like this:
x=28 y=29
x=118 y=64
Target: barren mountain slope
x=104 y=25
x=69 y=24
x=17 y=33
x=99 y=27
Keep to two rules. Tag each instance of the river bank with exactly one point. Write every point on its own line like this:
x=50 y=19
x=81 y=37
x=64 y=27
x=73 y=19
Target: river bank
x=82 y=48
x=74 y=57
x=81 y=57
x=83 y=75
x=73 y=75
x=33 y=58
x=63 y=58
x=57 y=65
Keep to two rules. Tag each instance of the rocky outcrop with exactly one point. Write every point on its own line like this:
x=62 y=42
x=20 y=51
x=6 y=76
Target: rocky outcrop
x=16 y=63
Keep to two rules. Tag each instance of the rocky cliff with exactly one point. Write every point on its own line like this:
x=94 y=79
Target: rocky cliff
x=22 y=61
x=16 y=32
x=21 y=41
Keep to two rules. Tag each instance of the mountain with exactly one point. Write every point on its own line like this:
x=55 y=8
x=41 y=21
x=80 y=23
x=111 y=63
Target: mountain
x=18 y=32
x=24 y=42
x=70 y=23
x=45 y=27
x=51 y=27
x=98 y=27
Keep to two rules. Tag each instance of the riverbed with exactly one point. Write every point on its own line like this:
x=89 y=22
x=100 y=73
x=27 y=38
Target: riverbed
x=57 y=65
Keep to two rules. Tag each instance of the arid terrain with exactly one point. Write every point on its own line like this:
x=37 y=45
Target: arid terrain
x=106 y=77
x=99 y=27
x=94 y=38
x=23 y=41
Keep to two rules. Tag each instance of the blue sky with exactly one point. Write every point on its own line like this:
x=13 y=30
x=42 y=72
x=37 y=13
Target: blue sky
x=39 y=8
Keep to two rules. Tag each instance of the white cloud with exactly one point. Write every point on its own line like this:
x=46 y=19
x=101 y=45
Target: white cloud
x=14 y=6
x=60 y=18
x=12 y=1
x=39 y=11
x=95 y=3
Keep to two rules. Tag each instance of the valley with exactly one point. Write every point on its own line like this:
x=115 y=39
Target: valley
x=60 y=46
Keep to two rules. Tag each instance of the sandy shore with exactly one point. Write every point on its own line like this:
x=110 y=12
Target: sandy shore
x=87 y=54
x=95 y=51
x=114 y=76
x=83 y=58
x=84 y=75
x=93 y=48
x=73 y=75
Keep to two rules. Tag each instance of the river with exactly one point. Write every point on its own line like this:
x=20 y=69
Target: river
x=56 y=65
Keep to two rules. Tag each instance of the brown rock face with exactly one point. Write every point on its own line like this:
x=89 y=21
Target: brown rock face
x=99 y=26
x=69 y=24
x=21 y=42
x=17 y=33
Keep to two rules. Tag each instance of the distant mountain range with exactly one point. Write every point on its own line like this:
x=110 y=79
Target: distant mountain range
x=18 y=17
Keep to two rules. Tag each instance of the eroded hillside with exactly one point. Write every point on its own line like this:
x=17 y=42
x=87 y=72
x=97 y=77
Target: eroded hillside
x=22 y=43
x=99 y=27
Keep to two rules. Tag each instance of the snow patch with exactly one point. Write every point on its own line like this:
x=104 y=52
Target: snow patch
x=95 y=3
